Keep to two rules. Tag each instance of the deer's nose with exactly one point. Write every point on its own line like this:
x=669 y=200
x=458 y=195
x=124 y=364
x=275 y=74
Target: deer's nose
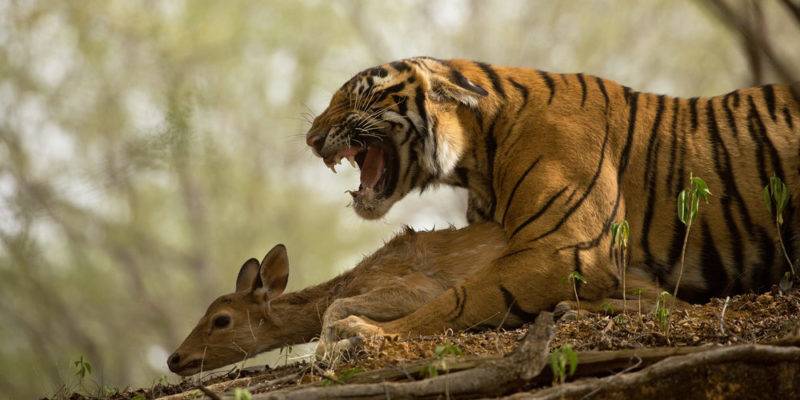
x=316 y=141
x=173 y=361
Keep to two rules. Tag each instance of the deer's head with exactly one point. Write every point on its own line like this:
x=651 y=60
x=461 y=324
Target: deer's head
x=241 y=324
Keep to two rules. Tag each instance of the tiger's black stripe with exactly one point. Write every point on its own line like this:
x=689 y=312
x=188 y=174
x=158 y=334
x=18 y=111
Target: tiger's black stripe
x=400 y=66
x=523 y=91
x=787 y=117
x=768 y=92
x=693 y=112
x=461 y=301
x=460 y=305
x=674 y=148
x=548 y=80
x=731 y=120
x=650 y=174
x=583 y=89
x=626 y=92
x=626 y=150
x=386 y=92
x=539 y=213
x=497 y=84
x=462 y=81
x=516 y=186
x=602 y=87
x=512 y=305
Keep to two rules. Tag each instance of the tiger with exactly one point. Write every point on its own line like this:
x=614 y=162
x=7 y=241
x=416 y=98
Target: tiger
x=556 y=159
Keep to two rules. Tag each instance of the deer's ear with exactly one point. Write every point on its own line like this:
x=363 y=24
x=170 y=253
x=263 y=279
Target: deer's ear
x=248 y=276
x=275 y=271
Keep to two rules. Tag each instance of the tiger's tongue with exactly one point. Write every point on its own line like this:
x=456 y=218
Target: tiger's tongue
x=372 y=168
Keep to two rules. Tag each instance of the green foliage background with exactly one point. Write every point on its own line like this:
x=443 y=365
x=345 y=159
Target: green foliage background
x=147 y=148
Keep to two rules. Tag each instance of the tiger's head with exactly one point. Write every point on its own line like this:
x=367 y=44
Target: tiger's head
x=401 y=124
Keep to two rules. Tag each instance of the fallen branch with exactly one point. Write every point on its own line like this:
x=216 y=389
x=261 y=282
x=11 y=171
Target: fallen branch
x=209 y=393
x=748 y=370
x=490 y=378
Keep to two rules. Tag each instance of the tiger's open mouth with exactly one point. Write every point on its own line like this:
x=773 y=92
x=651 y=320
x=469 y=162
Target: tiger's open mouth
x=378 y=164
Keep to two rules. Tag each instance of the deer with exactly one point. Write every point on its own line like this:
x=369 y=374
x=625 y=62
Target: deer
x=409 y=271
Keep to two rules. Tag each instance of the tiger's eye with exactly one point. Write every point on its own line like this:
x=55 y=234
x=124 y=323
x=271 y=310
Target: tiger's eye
x=222 y=321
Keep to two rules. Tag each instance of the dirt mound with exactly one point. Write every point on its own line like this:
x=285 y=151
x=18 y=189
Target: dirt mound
x=748 y=318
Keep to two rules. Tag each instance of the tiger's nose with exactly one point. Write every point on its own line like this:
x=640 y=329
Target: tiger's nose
x=316 y=141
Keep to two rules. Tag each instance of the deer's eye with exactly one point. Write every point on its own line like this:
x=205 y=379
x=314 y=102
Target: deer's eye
x=222 y=321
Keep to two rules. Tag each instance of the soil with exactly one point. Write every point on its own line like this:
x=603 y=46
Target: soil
x=749 y=318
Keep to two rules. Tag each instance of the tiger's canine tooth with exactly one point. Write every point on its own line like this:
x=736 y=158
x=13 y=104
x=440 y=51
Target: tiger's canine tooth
x=352 y=160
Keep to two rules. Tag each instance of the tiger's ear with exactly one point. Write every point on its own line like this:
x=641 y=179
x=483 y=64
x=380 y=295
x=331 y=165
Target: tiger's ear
x=455 y=88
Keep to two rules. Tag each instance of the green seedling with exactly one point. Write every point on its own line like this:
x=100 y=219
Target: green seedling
x=440 y=351
x=776 y=197
x=661 y=313
x=688 y=208
x=620 y=233
x=607 y=308
x=447 y=349
x=563 y=363
x=638 y=293
x=576 y=277
x=242 y=394
x=82 y=368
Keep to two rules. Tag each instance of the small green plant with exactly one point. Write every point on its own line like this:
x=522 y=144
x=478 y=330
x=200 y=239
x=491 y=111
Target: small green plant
x=638 y=293
x=576 y=277
x=82 y=368
x=139 y=396
x=563 y=363
x=440 y=351
x=429 y=370
x=447 y=349
x=242 y=394
x=776 y=197
x=688 y=207
x=607 y=308
x=661 y=313
x=620 y=233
